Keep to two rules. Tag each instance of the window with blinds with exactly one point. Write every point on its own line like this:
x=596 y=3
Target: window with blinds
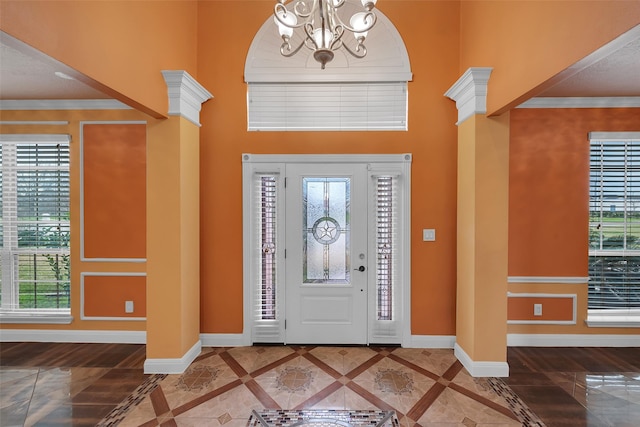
x=385 y=247
x=614 y=222
x=327 y=106
x=35 y=226
x=268 y=247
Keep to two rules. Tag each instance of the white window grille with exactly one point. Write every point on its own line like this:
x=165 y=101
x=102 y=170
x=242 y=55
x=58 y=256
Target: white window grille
x=614 y=224
x=35 y=227
x=385 y=243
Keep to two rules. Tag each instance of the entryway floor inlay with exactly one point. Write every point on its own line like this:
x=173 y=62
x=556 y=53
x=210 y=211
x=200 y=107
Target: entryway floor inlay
x=394 y=381
x=419 y=389
x=322 y=418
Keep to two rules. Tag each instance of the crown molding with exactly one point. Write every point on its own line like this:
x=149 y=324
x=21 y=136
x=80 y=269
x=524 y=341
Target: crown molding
x=582 y=102
x=63 y=104
x=470 y=92
x=186 y=95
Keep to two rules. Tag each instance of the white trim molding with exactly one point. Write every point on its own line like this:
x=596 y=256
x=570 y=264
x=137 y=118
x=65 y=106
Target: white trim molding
x=481 y=368
x=582 y=102
x=431 y=341
x=82 y=237
x=470 y=92
x=186 y=95
x=173 y=365
x=224 y=340
x=107 y=274
x=548 y=279
x=73 y=336
x=33 y=122
x=574 y=316
x=62 y=104
x=572 y=340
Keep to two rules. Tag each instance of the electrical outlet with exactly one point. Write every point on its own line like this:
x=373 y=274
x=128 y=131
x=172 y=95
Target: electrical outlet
x=128 y=306
x=429 y=235
x=537 y=309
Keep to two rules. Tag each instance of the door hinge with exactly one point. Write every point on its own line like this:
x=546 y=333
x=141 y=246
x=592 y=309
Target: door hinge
x=285 y=253
x=285 y=182
x=285 y=323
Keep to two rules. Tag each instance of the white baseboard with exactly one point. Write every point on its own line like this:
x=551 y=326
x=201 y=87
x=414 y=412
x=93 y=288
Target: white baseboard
x=483 y=368
x=572 y=340
x=173 y=366
x=73 y=336
x=432 y=341
x=224 y=340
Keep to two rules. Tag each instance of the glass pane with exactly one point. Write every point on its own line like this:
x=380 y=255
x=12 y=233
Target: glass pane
x=268 y=247
x=326 y=230
x=43 y=280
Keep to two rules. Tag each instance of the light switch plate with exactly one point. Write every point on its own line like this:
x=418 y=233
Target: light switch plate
x=429 y=235
x=128 y=306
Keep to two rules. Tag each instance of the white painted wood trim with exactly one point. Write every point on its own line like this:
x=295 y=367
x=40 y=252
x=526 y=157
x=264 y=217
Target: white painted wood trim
x=34 y=122
x=112 y=274
x=574 y=316
x=66 y=104
x=613 y=136
x=481 y=368
x=470 y=92
x=82 y=256
x=431 y=341
x=582 y=102
x=173 y=365
x=548 y=279
x=572 y=340
x=404 y=159
x=39 y=317
x=73 y=336
x=224 y=340
x=186 y=95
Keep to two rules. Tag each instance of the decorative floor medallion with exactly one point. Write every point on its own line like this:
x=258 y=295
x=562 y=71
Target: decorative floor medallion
x=294 y=379
x=394 y=381
x=197 y=377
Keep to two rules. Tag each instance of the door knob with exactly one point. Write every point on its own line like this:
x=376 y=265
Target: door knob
x=361 y=268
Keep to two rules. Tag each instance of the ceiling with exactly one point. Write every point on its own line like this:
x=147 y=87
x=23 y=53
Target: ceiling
x=28 y=74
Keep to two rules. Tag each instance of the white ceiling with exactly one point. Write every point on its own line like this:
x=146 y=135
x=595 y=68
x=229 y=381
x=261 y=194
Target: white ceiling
x=612 y=71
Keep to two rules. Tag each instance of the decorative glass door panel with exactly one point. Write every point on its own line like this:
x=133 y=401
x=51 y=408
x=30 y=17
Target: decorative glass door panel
x=326 y=230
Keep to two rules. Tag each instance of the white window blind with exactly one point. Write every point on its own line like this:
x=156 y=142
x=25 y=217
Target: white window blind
x=327 y=106
x=614 y=222
x=35 y=222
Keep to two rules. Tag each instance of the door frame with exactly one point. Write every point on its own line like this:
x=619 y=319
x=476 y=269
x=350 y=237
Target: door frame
x=398 y=165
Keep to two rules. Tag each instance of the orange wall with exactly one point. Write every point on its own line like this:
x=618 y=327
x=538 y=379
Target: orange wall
x=97 y=299
x=528 y=42
x=553 y=308
x=115 y=215
x=105 y=296
x=121 y=46
x=430 y=33
x=549 y=187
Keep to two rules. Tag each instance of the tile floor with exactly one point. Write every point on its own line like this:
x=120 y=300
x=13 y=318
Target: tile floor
x=49 y=384
x=424 y=386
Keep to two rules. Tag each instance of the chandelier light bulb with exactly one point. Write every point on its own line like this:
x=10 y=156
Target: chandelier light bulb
x=289 y=19
x=321 y=26
x=360 y=23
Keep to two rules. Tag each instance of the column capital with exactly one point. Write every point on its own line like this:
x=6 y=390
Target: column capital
x=470 y=92
x=186 y=95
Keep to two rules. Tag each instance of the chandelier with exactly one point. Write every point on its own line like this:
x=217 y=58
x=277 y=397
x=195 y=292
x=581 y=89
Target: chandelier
x=323 y=28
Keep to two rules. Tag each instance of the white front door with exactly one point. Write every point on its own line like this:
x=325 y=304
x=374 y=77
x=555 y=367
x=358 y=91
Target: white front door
x=326 y=254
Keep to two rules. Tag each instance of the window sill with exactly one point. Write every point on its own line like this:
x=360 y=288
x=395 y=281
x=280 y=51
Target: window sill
x=62 y=317
x=628 y=319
